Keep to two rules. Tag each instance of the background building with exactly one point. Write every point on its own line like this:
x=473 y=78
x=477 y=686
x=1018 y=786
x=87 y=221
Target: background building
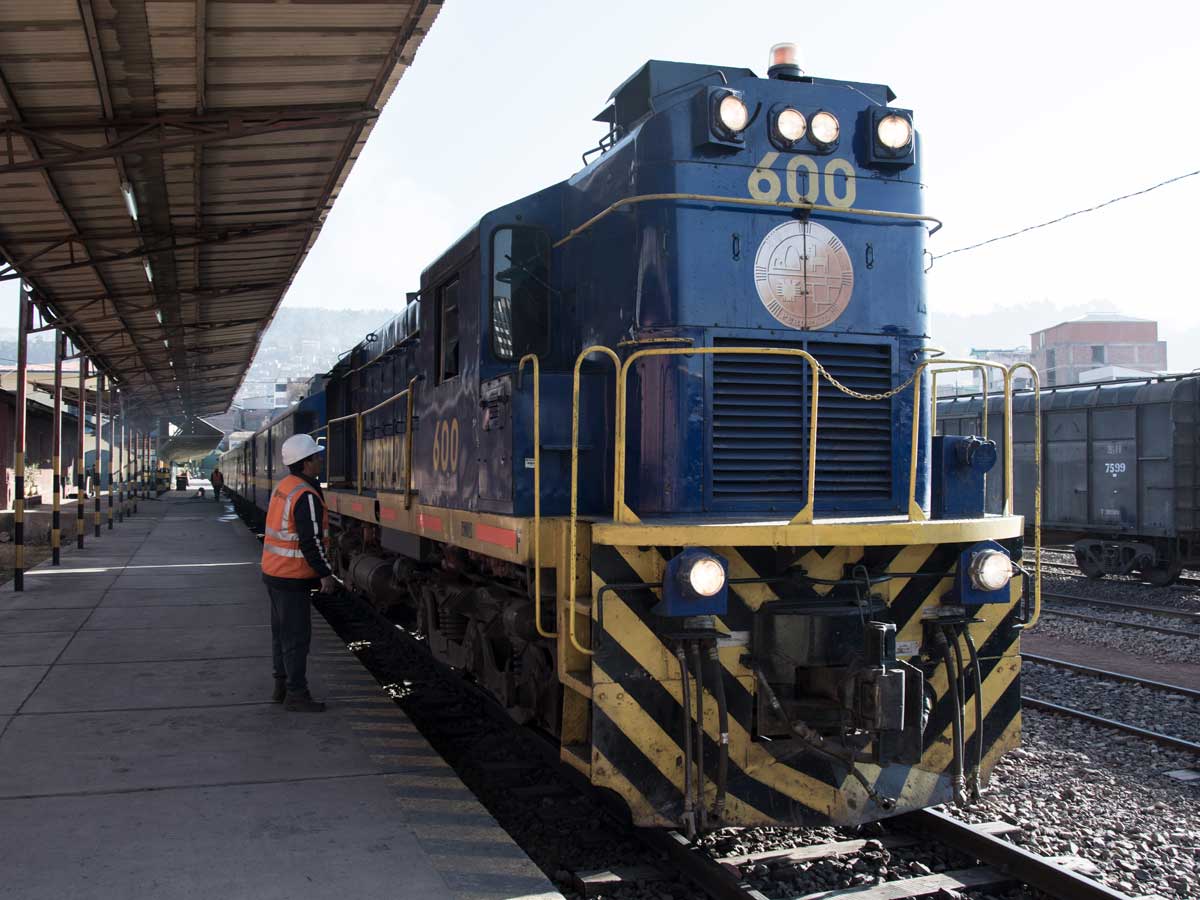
x=1066 y=353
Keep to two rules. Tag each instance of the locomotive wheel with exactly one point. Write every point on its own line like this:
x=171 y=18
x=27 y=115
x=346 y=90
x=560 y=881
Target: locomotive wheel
x=1160 y=576
x=1089 y=568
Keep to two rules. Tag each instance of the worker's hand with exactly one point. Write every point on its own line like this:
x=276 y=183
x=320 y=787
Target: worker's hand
x=328 y=584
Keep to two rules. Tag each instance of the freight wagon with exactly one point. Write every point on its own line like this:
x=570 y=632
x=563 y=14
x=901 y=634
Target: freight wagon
x=1121 y=470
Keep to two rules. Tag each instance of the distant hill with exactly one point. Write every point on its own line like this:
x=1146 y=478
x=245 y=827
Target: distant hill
x=305 y=341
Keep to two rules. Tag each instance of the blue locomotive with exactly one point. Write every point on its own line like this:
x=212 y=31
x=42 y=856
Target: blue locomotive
x=649 y=455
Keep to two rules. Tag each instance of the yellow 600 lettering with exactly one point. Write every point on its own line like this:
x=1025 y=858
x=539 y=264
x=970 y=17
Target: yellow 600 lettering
x=764 y=182
x=445 y=446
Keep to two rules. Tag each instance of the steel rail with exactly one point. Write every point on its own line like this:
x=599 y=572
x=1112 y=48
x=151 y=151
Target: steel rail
x=1074 y=571
x=1116 y=676
x=1164 y=611
x=1036 y=871
x=1167 y=740
x=1120 y=623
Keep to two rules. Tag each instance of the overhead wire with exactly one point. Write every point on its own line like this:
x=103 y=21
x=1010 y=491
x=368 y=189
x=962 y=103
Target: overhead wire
x=1063 y=218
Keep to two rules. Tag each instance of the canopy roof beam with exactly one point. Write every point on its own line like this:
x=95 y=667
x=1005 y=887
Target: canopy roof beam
x=159 y=133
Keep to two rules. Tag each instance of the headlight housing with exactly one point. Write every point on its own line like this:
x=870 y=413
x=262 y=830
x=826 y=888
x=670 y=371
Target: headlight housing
x=790 y=124
x=990 y=570
x=894 y=132
x=732 y=114
x=706 y=576
x=825 y=128
x=695 y=583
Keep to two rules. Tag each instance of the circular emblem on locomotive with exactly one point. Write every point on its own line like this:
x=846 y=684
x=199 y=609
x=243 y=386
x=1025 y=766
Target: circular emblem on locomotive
x=803 y=274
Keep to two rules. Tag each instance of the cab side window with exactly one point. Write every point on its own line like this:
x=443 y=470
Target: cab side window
x=447 y=324
x=520 y=291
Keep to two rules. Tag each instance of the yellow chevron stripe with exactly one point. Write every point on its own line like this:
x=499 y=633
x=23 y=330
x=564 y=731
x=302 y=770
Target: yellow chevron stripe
x=755 y=595
x=644 y=813
x=829 y=567
x=644 y=646
x=660 y=748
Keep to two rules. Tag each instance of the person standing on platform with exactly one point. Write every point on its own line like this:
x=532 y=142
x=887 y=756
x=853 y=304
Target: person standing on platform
x=218 y=482
x=294 y=563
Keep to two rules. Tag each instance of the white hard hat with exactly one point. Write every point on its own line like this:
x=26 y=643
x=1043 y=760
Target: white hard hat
x=298 y=447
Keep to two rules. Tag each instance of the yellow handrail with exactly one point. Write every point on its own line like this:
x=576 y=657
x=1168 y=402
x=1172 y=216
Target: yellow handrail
x=749 y=201
x=616 y=361
x=915 y=512
x=329 y=436
x=1037 y=490
x=537 y=491
x=621 y=512
x=358 y=423
x=933 y=401
x=408 y=441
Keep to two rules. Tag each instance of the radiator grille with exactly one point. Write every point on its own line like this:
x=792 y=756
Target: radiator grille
x=760 y=427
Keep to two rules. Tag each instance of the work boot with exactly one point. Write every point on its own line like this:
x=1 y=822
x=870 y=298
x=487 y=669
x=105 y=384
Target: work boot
x=302 y=701
x=280 y=693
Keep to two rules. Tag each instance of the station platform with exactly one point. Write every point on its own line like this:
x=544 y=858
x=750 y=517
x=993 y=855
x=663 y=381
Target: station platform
x=140 y=755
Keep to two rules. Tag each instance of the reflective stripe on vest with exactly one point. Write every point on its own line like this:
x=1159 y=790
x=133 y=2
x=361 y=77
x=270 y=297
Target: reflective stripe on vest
x=282 y=556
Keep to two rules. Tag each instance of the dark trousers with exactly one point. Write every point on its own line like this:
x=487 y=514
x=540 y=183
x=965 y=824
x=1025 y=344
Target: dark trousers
x=291 y=633
x=217 y=492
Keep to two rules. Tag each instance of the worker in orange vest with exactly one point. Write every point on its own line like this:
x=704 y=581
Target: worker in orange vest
x=294 y=563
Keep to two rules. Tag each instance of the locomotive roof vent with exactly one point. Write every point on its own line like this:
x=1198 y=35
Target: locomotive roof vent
x=783 y=63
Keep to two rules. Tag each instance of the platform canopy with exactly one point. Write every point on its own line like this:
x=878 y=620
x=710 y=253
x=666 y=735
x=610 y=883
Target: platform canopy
x=165 y=167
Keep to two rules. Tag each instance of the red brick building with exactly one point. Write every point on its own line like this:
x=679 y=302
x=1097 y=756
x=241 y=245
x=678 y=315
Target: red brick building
x=1065 y=351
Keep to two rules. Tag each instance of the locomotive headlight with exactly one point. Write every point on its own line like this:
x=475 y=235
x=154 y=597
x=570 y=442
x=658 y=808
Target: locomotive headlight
x=894 y=132
x=791 y=124
x=990 y=570
x=732 y=113
x=825 y=128
x=706 y=576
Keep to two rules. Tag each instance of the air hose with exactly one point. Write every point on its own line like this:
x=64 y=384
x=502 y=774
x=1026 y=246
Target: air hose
x=689 y=813
x=976 y=793
x=943 y=646
x=718 y=683
x=698 y=670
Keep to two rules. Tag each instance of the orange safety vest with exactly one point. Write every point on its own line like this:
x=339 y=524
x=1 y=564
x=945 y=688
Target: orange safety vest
x=282 y=556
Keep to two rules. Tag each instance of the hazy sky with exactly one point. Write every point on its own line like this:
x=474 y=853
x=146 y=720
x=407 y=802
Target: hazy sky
x=1026 y=111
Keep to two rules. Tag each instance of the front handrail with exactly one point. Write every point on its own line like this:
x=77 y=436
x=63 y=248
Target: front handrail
x=933 y=399
x=721 y=200
x=1037 y=490
x=915 y=511
x=537 y=491
x=621 y=512
x=572 y=537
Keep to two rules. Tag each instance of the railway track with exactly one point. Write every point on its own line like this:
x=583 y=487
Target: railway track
x=1120 y=623
x=1166 y=740
x=1068 y=567
x=1165 y=612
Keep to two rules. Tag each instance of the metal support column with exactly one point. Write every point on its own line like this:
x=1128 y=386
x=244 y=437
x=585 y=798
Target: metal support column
x=132 y=463
x=99 y=480
x=60 y=347
x=112 y=452
x=24 y=323
x=80 y=475
x=120 y=451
